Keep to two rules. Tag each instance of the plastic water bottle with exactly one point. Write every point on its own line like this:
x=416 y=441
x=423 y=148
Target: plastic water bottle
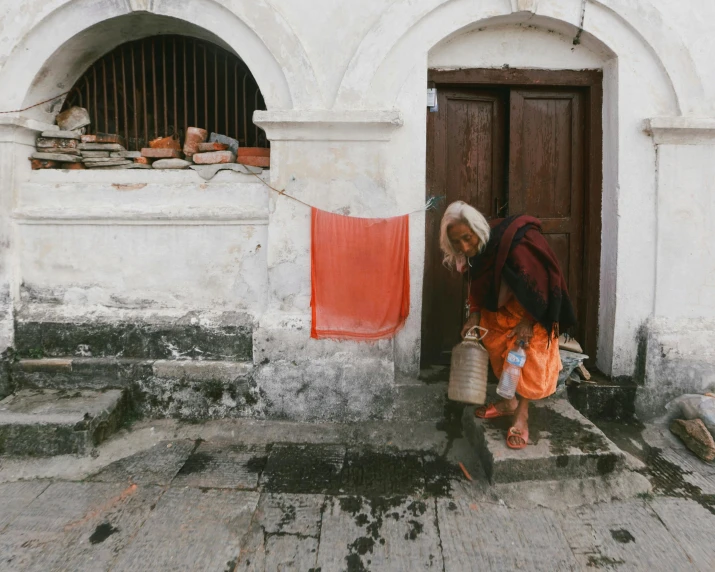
x=511 y=373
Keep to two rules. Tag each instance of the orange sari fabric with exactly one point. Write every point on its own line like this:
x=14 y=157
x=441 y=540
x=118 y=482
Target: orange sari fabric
x=543 y=363
x=360 y=276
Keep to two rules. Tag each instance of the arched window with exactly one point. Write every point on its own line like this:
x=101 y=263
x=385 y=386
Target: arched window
x=161 y=85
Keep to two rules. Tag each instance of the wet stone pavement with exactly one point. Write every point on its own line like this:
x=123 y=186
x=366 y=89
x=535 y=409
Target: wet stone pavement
x=219 y=504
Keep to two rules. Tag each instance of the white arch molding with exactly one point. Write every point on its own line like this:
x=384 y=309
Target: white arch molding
x=58 y=49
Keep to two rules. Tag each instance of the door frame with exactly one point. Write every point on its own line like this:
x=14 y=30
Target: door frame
x=592 y=83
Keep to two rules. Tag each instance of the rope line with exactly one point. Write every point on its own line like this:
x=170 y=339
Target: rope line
x=429 y=205
x=36 y=104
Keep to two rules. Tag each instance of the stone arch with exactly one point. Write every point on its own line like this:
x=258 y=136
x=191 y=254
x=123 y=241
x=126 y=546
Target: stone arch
x=433 y=21
x=50 y=58
x=641 y=80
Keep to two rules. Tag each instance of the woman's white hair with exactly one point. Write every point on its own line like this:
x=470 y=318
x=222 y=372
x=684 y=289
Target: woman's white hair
x=461 y=212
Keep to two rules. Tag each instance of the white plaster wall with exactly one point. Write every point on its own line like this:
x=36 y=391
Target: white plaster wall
x=656 y=56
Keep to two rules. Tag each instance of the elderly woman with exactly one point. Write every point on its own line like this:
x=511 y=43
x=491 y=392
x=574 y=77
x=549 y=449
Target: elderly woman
x=517 y=293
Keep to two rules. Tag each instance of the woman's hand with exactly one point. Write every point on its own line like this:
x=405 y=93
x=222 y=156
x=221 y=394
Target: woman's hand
x=472 y=321
x=524 y=330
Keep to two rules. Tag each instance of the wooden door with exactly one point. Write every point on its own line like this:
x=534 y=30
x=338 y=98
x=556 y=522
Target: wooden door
x=546 y=176
x=465 y=161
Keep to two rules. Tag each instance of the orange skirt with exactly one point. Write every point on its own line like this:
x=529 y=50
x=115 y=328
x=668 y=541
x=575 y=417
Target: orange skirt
x=543 y=362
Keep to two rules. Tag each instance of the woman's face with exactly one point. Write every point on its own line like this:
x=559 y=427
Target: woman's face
x=463 y=239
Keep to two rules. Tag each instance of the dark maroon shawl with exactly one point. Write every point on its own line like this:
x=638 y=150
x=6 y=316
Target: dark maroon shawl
x=518 y=253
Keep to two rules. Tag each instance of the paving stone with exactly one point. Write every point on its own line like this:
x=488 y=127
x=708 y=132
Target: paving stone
x=52 y=422
x=59 y=157
x=75 y=526
x=563 y=444
x=191 y=529
x=374 y=473
x=170 y=164
x=14 y=497
x=395 y=533
x=290 y=514
x=304 y=469
x=59 y=134
x=488 y=536
x=160 y=153
x=155 y=466
x=73 y=118
x=287 y=552
x=692 y=525
x=622 y=535
x=101 y=147
x=223 y=465
x=230 y=141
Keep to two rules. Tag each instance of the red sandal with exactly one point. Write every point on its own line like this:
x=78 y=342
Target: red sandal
x=516 y=439
x=490 y=412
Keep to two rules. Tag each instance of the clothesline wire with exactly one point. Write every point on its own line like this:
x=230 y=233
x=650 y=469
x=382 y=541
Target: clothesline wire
x=36 y=104
x=429 y=205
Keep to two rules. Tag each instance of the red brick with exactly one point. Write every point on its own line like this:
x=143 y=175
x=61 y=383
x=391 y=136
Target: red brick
x=254 y=152
x=161 y=153
x=109 y=138
x=254 y=161
x=43 y=164
x=89 y=138
x=194 y=137
x=142 y=160
x=165 y=143
x=210 y=146
x=214 y=158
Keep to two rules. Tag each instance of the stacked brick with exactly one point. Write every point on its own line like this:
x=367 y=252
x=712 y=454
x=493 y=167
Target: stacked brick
x=108 y=151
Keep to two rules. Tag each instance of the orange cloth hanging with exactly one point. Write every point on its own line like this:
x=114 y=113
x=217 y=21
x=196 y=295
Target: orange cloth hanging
x=360 y=276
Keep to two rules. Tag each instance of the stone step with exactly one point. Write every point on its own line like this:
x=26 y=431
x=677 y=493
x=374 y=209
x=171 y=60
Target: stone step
x=563 y=444
x=604 y=399
x=43 y=422
x=229 y=339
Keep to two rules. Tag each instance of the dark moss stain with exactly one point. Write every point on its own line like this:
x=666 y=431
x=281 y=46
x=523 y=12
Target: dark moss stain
x=415 y=530
x=622 y=535
x=197 y=463
x=451 y=506
x=288 y=516
x=603 y=561
x=102 y=532
x=668 y=479
x=231 y=565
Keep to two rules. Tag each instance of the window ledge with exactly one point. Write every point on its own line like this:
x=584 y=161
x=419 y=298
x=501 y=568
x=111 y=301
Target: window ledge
x=682 y=130
x=328 y=125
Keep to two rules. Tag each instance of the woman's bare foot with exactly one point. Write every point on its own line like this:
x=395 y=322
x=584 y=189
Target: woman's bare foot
x=519 y=432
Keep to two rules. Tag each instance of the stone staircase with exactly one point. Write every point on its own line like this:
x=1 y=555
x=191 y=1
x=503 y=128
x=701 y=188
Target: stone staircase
x=74 y=384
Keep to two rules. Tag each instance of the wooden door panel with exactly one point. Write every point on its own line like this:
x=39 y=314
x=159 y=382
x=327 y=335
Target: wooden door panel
x=546 y=175
x=465 y=161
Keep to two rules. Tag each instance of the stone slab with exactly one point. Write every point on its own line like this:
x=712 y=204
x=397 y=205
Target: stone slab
x=194 y=370
x=157 y=465
x=159 y=153
x=105 y=162
x=14 y=497
x=230 y=141
x=59 y=134
x=290 y=514
x=207 y=172
x=304 y=469
x=692 y=525
x=101 y=147
x=622 y=536
x=79 y=373
x=191 y=529
x=223 y=465
x=231 y=340
x=59 y=157
x=103 y=138
x=53 y=422
x=563 y=444
x=73 y=118
x=214 y=157
x=380 y=534
x=488 y=536
x=126 y=154
x=170 y=164
x=287 y=552
x=95 y=154
x=56 y=143
x=76 y=526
